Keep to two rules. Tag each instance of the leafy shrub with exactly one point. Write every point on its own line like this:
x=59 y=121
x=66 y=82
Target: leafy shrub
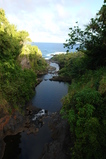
x=83 y=112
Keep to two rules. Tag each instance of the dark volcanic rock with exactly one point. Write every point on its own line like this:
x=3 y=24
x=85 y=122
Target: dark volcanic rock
x=15 y=123
x=61 y=79
x=59 y=147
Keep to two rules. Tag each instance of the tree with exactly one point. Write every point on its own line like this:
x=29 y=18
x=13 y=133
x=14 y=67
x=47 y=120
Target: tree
x=23 y=37
x=92 y=40
x=3 y=19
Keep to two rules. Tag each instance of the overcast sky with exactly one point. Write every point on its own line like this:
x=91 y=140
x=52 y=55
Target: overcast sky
x=49 y=20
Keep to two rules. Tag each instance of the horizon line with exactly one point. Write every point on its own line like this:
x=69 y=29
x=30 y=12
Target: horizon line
x=45 y=42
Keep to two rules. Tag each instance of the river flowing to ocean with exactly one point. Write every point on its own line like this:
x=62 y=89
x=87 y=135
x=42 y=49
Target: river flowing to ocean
x=48 y=95
x=50 y=49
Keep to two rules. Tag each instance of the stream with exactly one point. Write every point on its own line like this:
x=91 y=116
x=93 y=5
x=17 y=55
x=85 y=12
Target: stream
x=48 y=95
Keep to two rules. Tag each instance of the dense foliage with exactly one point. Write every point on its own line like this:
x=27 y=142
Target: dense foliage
x=85 y=108
x=16 y=82
x=72 y=64
x=92 y=39
x=85 y=104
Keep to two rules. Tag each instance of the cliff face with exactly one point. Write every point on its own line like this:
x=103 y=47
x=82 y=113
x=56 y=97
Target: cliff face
x=29 y=56
x=24 y=62
x=10 y=124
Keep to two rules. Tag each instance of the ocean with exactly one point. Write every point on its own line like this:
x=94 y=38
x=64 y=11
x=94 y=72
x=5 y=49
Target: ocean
x=50 y=49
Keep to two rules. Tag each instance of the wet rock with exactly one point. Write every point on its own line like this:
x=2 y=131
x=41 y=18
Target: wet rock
x=58 y=148
x=60 y=79
x=39 y=80
x=2 y=145
x=15 y=123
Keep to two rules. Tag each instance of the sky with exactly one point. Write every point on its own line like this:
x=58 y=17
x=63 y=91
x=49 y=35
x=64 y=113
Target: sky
x=49 y=20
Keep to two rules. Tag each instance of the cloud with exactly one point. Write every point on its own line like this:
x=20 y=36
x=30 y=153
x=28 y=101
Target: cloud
x=48 y=20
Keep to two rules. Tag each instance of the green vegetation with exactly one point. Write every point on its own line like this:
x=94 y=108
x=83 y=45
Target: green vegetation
x=85 y=104
x=19 y=64
x=92 y=40
x=72 y=64
x=31 y=57
x=85 y=108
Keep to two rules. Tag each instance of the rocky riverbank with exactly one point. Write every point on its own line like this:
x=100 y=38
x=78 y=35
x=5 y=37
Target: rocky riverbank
x=22 y=121
x=60 y=79
x=17 y=122
x=59 y=147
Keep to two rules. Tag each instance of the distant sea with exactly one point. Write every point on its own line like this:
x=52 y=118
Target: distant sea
x=50 y=49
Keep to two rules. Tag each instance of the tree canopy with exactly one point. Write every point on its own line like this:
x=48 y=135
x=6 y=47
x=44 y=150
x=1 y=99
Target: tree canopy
x=92 y=40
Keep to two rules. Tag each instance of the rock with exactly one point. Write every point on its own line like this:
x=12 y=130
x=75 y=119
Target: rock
x=58 y=148
x=61 y=79
x=11 y=125
x=2 y=146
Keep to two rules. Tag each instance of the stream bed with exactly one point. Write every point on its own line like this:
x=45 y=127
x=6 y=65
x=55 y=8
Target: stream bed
x=48 y=95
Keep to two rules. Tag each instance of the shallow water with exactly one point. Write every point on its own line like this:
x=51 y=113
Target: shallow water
x=48 y=95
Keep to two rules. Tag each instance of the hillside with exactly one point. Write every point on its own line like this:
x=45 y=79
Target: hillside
x=19 y=65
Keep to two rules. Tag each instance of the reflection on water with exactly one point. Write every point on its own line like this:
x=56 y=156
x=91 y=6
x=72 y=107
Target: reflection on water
x=12 y=150
x=49 y=94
